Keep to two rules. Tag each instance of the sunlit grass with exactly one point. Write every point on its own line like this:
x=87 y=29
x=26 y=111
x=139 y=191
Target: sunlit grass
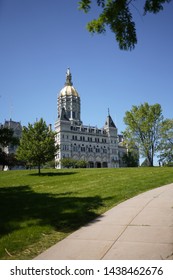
x=38 y=211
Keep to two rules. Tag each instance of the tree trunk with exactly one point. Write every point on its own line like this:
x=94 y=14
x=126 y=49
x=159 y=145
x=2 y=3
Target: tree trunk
x=39 y=171
x=150 y=160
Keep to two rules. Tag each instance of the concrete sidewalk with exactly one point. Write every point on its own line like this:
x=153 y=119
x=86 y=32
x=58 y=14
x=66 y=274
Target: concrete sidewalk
x=140 y=228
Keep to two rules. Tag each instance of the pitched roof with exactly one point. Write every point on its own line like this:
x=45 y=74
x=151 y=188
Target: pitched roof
x=109 y=122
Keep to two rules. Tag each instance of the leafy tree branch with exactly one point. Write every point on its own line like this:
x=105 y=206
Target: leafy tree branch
x=117 y=15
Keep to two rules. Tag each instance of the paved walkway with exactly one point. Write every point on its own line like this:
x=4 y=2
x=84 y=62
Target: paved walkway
x=139 y=228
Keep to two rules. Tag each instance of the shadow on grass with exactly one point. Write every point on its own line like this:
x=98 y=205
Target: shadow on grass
x=52 y=174
x=20 y=206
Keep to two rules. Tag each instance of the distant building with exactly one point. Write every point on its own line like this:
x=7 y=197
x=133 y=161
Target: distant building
x=99 y=147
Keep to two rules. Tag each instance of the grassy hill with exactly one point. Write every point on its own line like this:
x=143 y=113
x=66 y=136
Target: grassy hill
x=38 y=211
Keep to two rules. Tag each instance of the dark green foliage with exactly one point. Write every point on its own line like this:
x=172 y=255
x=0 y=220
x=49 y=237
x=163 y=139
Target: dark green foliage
x=6 y=137
x=131 y=159
x=9 y=160
x=154 y=6
x=116 y=14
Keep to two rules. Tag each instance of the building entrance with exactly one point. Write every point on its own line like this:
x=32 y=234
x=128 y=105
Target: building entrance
x=91 y=164
x=98 y=164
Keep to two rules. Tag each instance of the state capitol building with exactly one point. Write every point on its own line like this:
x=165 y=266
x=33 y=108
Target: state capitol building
x=99 y=147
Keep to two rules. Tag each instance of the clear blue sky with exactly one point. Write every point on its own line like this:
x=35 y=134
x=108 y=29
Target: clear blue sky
x=39 y=39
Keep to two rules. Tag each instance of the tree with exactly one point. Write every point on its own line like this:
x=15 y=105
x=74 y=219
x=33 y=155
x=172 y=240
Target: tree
x=166 y=144
x=131 y=159
x=73 y=163
x=7 y=138
x=37 y=144
x=81 y=164
x=68 y=162
x=117 y=15
x=8 y=160
x=143 y=126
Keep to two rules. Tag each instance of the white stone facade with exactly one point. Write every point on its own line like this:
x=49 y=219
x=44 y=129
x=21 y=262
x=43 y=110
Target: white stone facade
x=98 y=147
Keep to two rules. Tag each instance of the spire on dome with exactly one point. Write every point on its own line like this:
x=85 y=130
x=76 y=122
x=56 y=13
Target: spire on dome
x=68 y=78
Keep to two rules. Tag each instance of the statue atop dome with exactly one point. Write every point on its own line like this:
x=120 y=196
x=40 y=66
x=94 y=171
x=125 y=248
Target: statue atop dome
x=68 y=78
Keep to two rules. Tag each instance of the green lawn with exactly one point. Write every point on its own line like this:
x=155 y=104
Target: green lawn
x=38 y=211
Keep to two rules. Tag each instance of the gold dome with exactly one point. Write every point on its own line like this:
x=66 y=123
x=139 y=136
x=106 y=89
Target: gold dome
x=68 y=91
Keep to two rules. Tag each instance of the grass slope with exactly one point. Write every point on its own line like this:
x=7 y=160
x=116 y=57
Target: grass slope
x=38 y=211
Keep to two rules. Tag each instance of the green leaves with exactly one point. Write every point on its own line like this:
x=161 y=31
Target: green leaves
x=96 y=26
x=143 y=125
x=116 y=14
x=166 y=144
x=85 y=5
x=37 y=145
x=119 y=19
x=73 y=163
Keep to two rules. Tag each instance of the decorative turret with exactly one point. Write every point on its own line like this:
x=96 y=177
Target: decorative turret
x=109 y=122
